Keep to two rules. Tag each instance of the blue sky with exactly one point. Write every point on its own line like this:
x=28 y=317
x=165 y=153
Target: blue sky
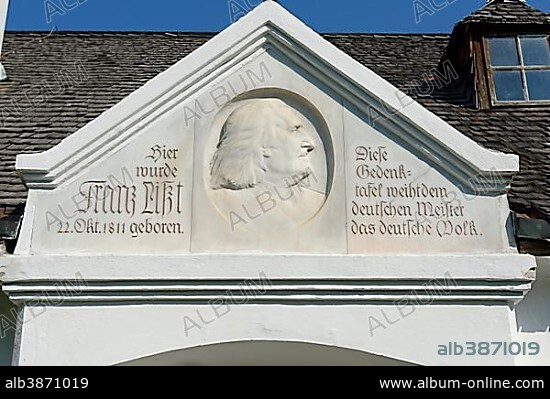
x=214 y=15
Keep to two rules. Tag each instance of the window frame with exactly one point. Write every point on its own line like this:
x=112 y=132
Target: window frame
x=521 y=68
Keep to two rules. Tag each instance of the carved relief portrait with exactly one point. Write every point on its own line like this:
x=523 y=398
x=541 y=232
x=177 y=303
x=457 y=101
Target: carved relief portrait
x=269 y=167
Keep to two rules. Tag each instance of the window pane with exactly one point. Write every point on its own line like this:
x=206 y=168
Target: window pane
x=535 y=50
x=508 y=86
x=503 y=51
x=538 y=83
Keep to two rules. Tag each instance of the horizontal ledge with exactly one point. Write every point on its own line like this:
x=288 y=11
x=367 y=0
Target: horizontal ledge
x=265 y=299
x=58 y=287
x=207 y=267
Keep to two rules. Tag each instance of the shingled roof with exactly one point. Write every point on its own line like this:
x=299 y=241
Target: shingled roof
x=507 y=12
x=60 y=82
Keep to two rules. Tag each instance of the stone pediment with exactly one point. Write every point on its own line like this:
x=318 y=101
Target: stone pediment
x=267 y=139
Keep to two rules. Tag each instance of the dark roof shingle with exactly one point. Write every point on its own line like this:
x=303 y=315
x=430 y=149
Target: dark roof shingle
x=507 y=12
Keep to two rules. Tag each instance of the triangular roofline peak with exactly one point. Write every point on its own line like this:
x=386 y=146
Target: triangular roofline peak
x=270 y=24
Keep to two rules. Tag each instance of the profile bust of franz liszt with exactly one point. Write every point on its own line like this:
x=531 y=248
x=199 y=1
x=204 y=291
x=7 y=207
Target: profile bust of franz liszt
x=265 y=142
x=261 y=173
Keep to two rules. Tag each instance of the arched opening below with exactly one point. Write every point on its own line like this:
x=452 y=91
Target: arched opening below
x=266 y=353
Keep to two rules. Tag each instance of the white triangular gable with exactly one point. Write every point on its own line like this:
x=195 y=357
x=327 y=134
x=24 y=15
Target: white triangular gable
x=390 y=175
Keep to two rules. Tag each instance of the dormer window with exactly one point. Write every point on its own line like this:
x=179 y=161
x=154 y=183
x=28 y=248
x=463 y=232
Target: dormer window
x=519 y=69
